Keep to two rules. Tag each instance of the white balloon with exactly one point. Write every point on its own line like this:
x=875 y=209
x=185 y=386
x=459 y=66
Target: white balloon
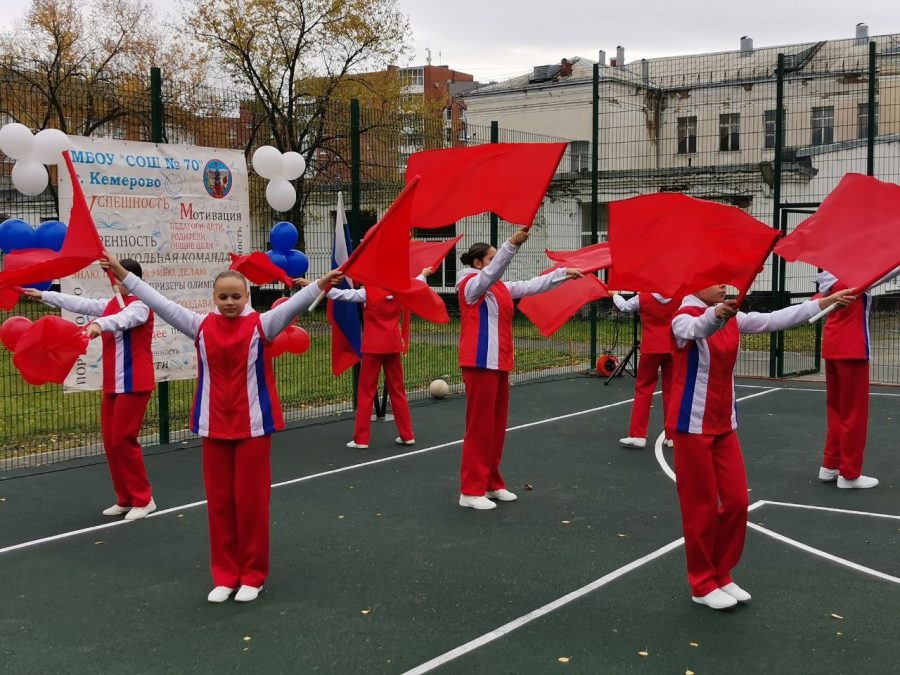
x=280 y=194
x=294 y=165
x=267 y=162
x=49 y=145
x=16 y=140
x=29 y=177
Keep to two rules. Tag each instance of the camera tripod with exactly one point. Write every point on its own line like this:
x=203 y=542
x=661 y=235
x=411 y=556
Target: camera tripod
x=631 y=357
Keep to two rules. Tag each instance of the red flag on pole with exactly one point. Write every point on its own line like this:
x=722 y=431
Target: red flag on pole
x=424 y=254
x=509 y=179
x=48 y=350
x=588 y=259
x=551 y=310
x=259 y=269
x=672 y=244
x=854 y=234
x=81 y=247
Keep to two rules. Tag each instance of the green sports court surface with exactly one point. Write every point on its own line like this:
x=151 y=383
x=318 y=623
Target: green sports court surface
x=375 y=568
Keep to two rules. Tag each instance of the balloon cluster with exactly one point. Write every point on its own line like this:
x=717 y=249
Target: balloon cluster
x=31 y=152
x=17 y=235
x=279 y=169
x=292 y=340
x=284 y=237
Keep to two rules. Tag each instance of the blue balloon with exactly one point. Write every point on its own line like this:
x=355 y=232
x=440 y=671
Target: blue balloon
x=278 y=259
x=43 y=286
x=51 y=235
x=284 y=236
x=15 y=235
x=297 y=263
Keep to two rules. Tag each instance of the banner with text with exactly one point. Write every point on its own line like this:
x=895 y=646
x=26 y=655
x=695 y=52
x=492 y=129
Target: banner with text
x=178 y=210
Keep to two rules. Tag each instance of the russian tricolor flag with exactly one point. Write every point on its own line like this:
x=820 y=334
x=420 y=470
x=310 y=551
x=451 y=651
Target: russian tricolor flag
x=346 y=331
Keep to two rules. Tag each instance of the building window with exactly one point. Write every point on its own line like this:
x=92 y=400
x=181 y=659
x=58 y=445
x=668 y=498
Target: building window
x=862 y=120
x=822 y=125
x=413 y=77
x=580 y=153
x=687 y=135
x=730 y=131
x=769 y=125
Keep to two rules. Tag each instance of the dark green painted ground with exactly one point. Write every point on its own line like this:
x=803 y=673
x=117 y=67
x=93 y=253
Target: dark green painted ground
x=388 y=539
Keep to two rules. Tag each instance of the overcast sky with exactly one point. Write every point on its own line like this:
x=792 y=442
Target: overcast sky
x=495 y=39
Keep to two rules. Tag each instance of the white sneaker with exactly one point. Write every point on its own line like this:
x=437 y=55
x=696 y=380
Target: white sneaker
x=502 y=495
x=736 y=592
x=480 y=503
x=116 y=510
x=141 y=511
x=669 y=443
x=631 y=442
x=219 y=594
x=400 y=441
x=354 y=444
x=247 y=594
x=717 y=599
x=827 y=475
x=861 y=482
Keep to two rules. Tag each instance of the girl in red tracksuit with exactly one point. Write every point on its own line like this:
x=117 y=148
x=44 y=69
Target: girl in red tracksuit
x=845 y=348
x=236 y=411
x=128 y=382
x=656 y=353
x=701 y=420
x=486 y=359
x=382 y=348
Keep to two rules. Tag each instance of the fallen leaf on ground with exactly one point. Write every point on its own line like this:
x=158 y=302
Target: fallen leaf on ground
x=563 y=659
x=529 y=486
x=366 y=611
x=247 y=638
x=695 y=644
x=645 y=653
x=836 y=616
x=98 y=543
x=621 y=535
x=565 y=522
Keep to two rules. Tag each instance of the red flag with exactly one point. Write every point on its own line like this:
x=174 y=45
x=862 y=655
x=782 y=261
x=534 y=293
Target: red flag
x=81 y=247
x=854 y=234
x=509 y=179
x=421 y=300
x=259 y=269
x=9 y=296
x=588 y=259
x=48 y=350
x=672 y=244
x=382 y=257
x=551 y=310
x=424 y=254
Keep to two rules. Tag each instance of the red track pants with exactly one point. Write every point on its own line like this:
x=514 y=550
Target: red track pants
x=367 y=390
x=238 y=477
x=121 y=417
x=847 y=404
x=487 y=410
x=644 y=386
x=712 y=492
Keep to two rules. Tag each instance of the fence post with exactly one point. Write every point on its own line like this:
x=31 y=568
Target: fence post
x=777 y=281
x=156 y=135
x=872 y=111
x=595 y=160
x=495 y=138
x=355 y=199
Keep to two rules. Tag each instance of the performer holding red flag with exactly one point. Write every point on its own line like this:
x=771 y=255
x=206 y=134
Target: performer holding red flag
x=701 y=420
x=845 y=348
x=383 y=346
x=128 y=382
x=486 y=359
x=236 y=411
x=656 y=354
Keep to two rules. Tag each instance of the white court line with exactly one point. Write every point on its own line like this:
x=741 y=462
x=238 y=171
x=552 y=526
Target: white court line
x=834 y=510
x=184 y=507
x=822 y=554
x=758 y=386
x=658 y=446
x=507 y=628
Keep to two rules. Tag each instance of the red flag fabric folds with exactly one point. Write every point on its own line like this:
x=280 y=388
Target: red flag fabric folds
x=421 y=300
x=672 y=244
x=424 y=254
x=9 y=296
x=81 y=247
x=588 y=259
x=854 y=234
x=259 y=269
x=48 y=350
x=509 y=179
x=551 y=310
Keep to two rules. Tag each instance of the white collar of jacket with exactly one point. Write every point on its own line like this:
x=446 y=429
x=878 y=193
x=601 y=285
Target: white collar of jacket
x=825 y=280
x=463 y=273
x=247 y=310
x=693 y=301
